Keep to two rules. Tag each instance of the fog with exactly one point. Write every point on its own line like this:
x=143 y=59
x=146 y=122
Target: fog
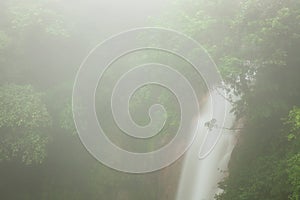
x=152 y=100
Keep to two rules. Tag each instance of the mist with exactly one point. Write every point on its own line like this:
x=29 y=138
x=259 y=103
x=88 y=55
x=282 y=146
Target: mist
x=153 y=100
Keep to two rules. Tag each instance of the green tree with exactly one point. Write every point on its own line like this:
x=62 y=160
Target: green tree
x=255 y=45
x=23 y=117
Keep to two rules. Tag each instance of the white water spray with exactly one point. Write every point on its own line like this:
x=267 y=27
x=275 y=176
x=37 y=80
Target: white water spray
x=200 y=177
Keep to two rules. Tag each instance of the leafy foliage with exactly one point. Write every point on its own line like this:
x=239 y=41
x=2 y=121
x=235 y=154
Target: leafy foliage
x=255 y=45
x=26 y=15
x=23 y=115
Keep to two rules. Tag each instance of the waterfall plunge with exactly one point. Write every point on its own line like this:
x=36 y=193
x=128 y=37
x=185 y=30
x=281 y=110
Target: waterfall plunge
x=199 y=177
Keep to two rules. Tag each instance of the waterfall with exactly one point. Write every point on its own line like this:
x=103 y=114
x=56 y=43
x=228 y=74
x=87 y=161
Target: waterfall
x=200 y=175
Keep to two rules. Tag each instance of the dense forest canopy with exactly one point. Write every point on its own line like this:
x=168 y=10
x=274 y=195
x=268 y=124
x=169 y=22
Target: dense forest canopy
x=255 y=45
